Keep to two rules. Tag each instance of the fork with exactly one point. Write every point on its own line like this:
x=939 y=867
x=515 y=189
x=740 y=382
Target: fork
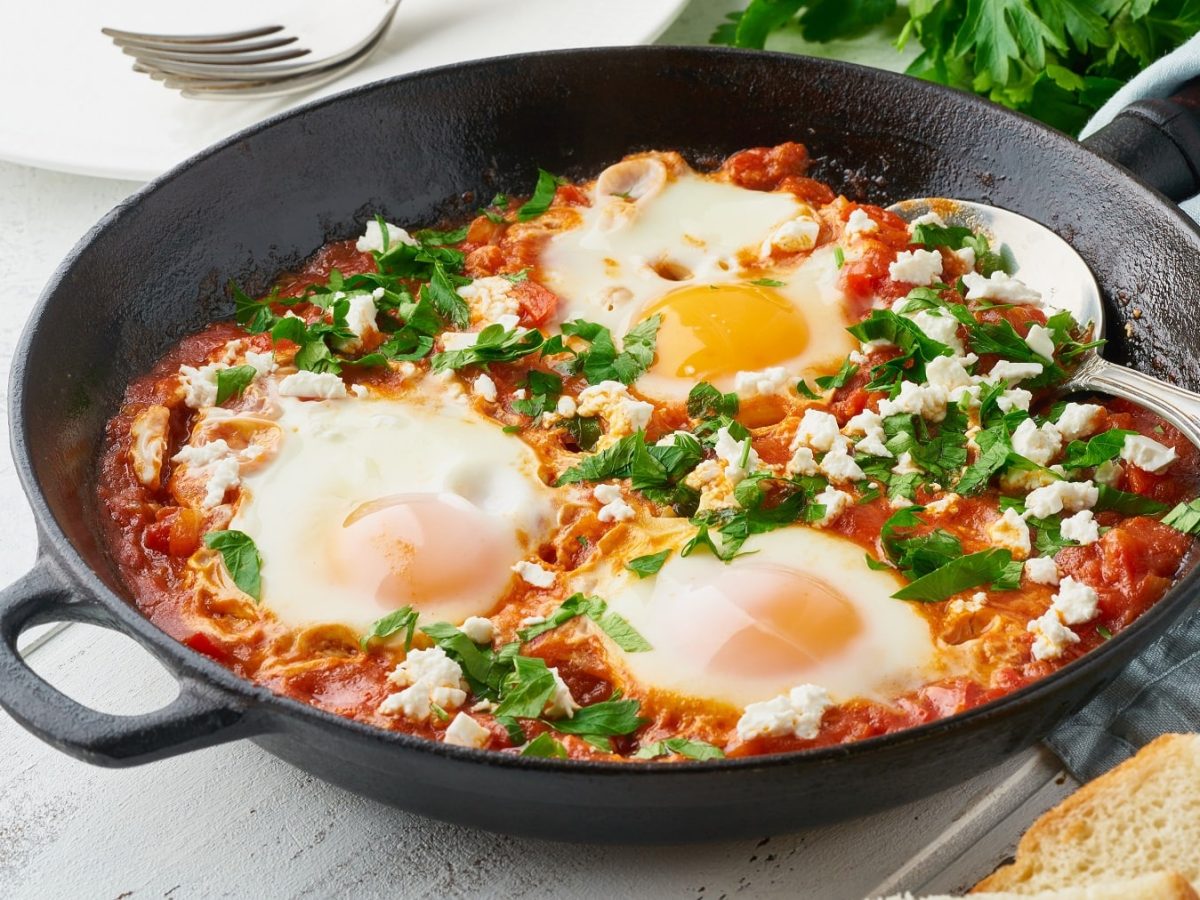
x=261 y=61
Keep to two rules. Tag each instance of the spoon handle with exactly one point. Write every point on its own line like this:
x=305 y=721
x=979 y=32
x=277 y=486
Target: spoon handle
x=1179 y=407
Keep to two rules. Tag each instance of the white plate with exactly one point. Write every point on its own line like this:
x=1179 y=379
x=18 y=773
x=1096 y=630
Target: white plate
x=70 y=101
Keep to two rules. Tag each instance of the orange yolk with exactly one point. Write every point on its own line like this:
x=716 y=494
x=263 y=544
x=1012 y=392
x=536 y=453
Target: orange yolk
x=793 y=621
x=709 y=331
x=433 y=552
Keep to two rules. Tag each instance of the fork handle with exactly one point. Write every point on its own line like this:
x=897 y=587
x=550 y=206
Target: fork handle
x=1179 y=407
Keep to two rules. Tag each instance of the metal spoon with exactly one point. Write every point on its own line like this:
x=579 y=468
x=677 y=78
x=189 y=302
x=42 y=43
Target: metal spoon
x=1050 y=265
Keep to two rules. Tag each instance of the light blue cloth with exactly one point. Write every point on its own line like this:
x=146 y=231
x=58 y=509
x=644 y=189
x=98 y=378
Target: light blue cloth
x=1159 y=691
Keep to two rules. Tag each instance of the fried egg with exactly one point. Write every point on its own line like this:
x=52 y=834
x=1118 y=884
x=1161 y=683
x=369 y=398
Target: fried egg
x=799 y=608
x=727 y=269
x=375 y=504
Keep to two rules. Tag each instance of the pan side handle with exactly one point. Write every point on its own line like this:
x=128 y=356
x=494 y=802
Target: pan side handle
x=1158 y=141
x=201 y=714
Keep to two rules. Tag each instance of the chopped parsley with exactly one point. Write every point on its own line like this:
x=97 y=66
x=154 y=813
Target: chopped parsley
x=601 y=361
x=616 y=627
x=545 y=746
x=1185 y=517
x=232 y=382
x=645 y=566
x=495 y=344
x=678 y=746
x=543 y=196
x=403 y=619
x=995 y=567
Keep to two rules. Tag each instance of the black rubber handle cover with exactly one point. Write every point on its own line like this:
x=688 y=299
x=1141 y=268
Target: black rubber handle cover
x=1158 y=141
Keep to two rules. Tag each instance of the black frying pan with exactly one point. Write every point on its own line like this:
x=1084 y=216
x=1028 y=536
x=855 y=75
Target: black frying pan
x=428 y=145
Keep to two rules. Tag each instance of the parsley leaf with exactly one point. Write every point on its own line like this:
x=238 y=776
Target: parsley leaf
x=403 y=619
x=605 y=719
x=545 y=746
x=543 y=195
x=1126 y=503
x=1185 y=517
x=1099 y=449
x=682 y=747
x=527 y=689
x=984 y=567
x=616 y=627
x=494 y=345
x=706 y=402
x=645 y=566
x=241 y=558
x=838 y=379
x=601 y=361
x=232 y=382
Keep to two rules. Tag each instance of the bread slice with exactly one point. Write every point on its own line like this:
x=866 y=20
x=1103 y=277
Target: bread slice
x=1160 y=886
x=1142 y=817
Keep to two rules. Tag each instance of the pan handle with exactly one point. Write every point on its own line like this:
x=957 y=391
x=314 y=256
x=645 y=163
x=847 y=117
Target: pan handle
x=201 y=715
x=1157 y=140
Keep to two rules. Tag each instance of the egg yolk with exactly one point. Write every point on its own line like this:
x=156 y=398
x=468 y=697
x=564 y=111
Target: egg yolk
x=709 y=331
x=432 y=552
x=792 y=621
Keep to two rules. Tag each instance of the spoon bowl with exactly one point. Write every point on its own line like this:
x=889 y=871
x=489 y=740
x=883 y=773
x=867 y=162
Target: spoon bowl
x=1048 y=264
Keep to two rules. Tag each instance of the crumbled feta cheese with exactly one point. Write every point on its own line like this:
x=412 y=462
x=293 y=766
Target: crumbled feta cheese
x=919 y=267
x=1012 y=372
x=521 y=394
x=428 y=677
x=1037 y=444
x=818 y=430
x=372 y=239
x=561 y=704
x=532 y=573
x=1051 y=636
x=464 y=731
x=939 y=327
x=1053 y=498
x=1075 y=601
x=611 y=400
x=733 y=453
x=1108 y=472
x=1000 y=286
x=905 y=465
x=262 y=363
x=478 y=629
x=200 y=384
x=943 y=506
x=483 y=386
x=767 y=382
x=1041 y=570
x=873 y=443
x=360 y=319
x=1041 y=341
x=312 y=385
x=490 y=299
x=802 y=462
x=792 y=237
x=797 y=713
x=203 y=454
x=716 y=490
x=613 y=508
x=223 y=475
x=947 y=372
x=834 y=502
x=1010 y=532
x=1078 y=420
x=673 y=438
x=532 y=620
x=925 y=400
x=839 y=467
x=929 y=218
x=1081 y=527
x=1146 y=454
x=967 y=255
x=459 y=340
x=1014 y=398
x=859 y=222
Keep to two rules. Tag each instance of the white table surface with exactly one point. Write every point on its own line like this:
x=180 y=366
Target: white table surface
x=234 y=821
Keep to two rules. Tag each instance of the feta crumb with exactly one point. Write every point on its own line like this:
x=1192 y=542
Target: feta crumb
x=561 y=704
x=566 y=406
x=929 y=218
x=1041 y=341
x=1053 y=498
x=613 y=508
x=764 y=383
x=967 y=255
x=1075 y=602
x=1146 y=454
x=200 y=384
x=1051 y=636
x=732 y=453
x=925 y=400
x=532 y=573
x=483 y=386
x=1000 y=286
x=1010 y=532
x=802 y=462
x=943 y=505
x=262 y=363
x=839 y=467
x=792 y=237
x=521 y=394
x=1108 y=472
x=459 y=340
x=360 y=319
x=464 y=731
x=532 y=620
x=611 y=400
x=797 y=713
x=1037 y=444
x=202 y=454
x=478 y=629
x=490 y=299
x=360 y=390
x=905 y=465
x=716 y=490
x=859 y=222
x=939 y=327
x=818 y=430
x=835 y=503
x=1014 y=398
x=1081 y=527
x=1078 y=420
x=1012 y=372
x=919 y=267
x=428 y=677
x=312 y=385
x=223 y=475
x=372 y=239
x=1041 y=570
x=947 y=372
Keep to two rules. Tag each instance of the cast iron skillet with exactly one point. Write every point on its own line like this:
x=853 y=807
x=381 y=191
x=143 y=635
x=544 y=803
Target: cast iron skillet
x=418 y=147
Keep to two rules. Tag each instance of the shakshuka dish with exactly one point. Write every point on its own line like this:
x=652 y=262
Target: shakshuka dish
x=667 y=465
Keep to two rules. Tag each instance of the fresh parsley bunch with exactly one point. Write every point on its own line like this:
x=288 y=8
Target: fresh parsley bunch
x=1056 y=60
